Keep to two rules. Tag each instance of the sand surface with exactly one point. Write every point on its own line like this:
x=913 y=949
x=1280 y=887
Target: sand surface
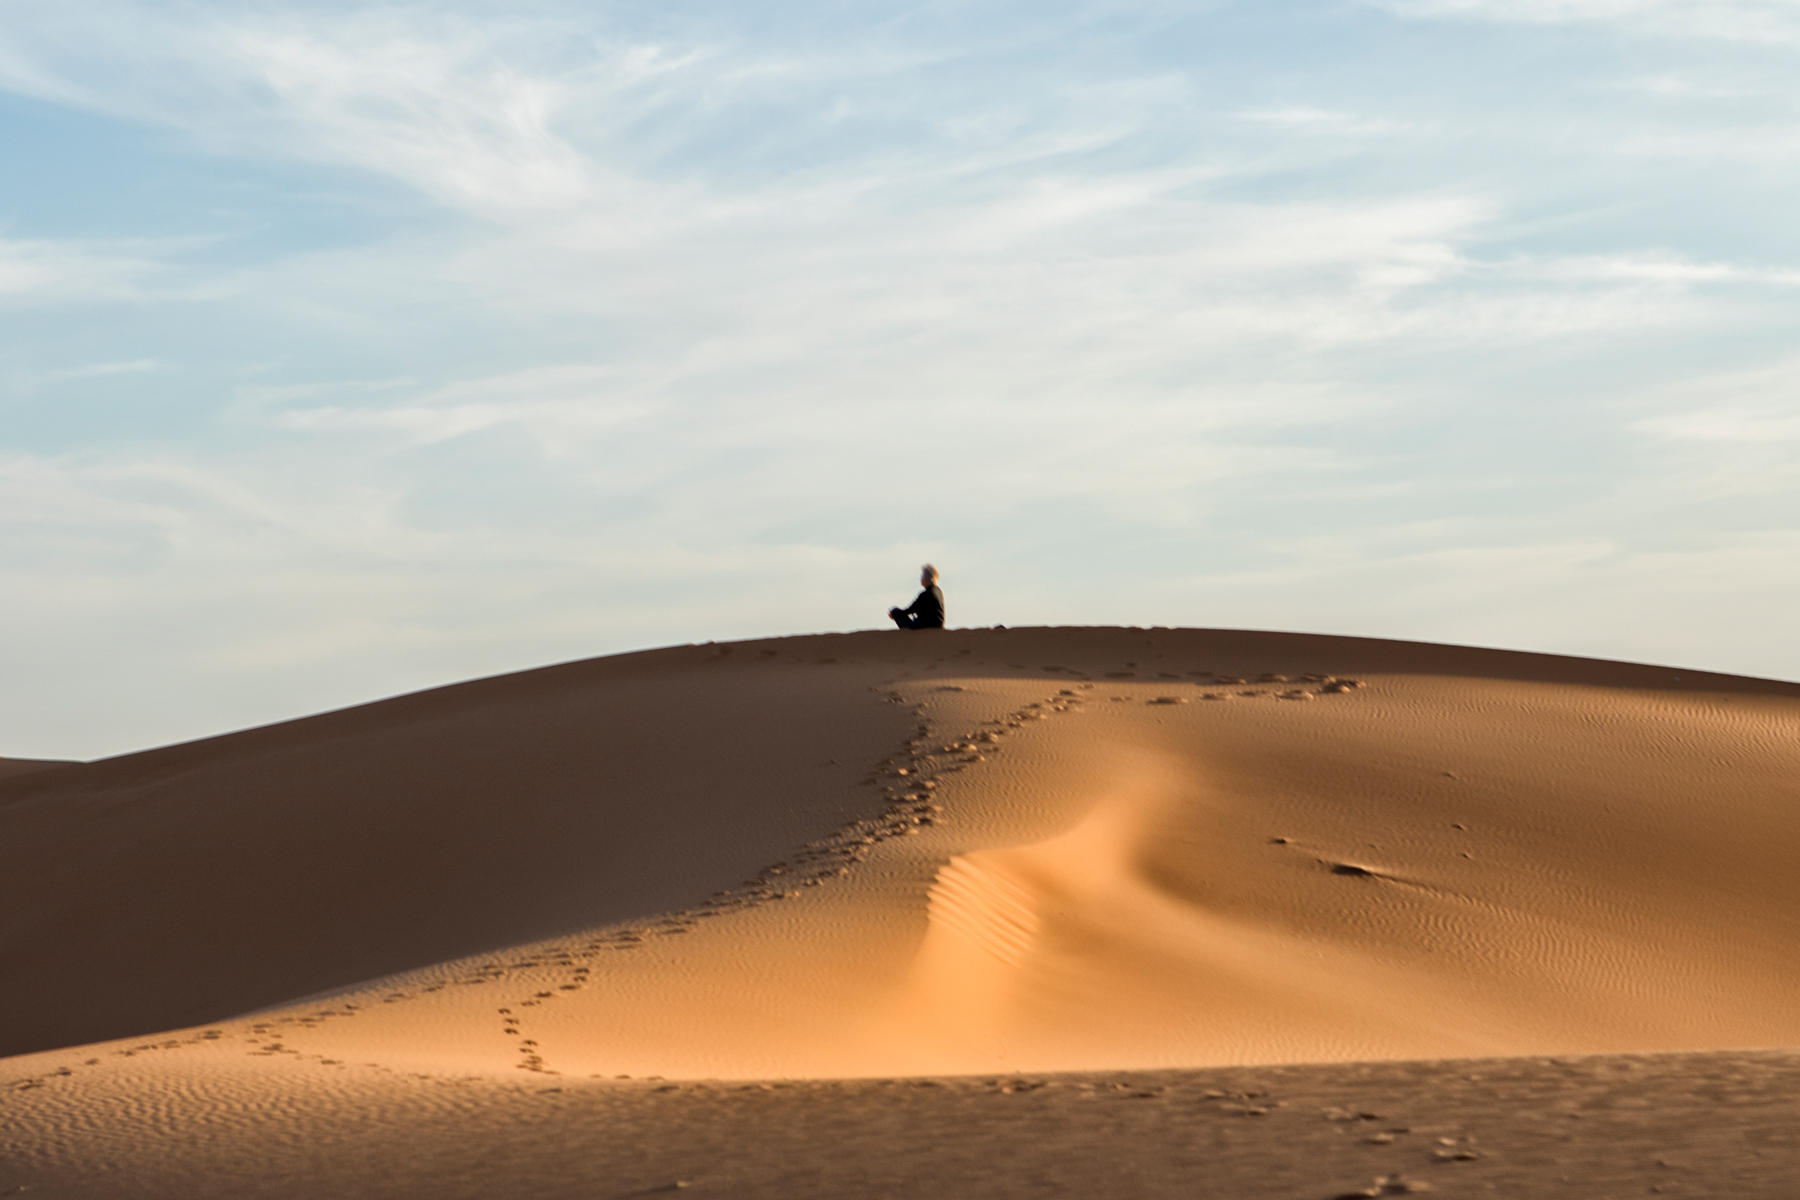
x=9 y=767
x=371 y=948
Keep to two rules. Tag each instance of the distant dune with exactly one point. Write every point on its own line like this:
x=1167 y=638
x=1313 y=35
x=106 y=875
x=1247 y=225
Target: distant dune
x=10 y=767
x=884 y=855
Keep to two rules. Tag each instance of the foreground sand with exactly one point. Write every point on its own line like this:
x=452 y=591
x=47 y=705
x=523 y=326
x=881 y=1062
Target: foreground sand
x=875 y=855
x=1701 y=1126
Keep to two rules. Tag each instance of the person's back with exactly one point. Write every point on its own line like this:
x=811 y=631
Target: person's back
x=927 y=609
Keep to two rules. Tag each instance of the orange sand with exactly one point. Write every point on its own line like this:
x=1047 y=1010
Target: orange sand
x=880 y=854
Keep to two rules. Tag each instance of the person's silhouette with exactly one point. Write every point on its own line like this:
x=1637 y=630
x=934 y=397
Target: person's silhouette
x=927 y=610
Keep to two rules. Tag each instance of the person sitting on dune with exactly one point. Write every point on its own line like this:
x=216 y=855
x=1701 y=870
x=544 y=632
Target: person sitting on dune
x=927 y=611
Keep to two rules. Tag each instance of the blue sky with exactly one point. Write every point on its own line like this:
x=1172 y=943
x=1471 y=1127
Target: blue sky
x=346 y=350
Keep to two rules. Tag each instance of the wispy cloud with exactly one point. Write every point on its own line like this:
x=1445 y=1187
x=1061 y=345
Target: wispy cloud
x=50 y=271
x=1758 y=426
x=1324 y=121
x=103 y=370
x=1763 y=143
x=554 y=404
x=1682 y=87
x=1650 y=268
x=1748 y=21
x=462 y=109
x=1757 y=408
x=446 y=113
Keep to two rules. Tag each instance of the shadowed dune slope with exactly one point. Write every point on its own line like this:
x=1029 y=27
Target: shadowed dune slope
x=182 y=885
x=10 y=767
x=875 y=853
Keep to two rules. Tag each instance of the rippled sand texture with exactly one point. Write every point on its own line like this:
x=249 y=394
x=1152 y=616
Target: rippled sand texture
x=879 y=856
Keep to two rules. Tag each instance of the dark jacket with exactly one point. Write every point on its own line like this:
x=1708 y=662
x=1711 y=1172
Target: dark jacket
x=927 y=612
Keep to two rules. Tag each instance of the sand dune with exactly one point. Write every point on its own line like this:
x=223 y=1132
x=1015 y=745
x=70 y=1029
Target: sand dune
x=10 y=767
x=883 y=855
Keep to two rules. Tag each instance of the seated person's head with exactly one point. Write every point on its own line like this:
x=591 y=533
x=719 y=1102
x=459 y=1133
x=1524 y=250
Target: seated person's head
x=928 y=575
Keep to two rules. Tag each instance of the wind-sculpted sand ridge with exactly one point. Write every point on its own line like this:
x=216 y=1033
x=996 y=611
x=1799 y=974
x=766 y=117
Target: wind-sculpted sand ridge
x=877 y=855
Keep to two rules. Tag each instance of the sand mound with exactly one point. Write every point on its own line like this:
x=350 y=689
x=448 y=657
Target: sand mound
x=885 y=854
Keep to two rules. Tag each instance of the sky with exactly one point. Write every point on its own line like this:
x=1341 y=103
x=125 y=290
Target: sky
x=347 y=350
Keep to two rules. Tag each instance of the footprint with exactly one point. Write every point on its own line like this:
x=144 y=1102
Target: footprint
x=1386 y=1185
